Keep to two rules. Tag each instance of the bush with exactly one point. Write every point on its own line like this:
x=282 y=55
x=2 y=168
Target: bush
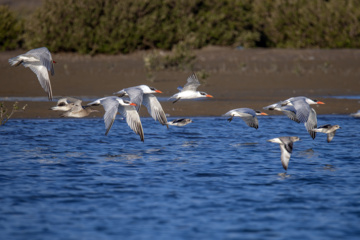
x=308 y=24
x=10 y=30
x=109 y=26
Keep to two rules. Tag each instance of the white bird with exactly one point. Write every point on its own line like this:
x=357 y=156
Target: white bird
x=64 y=104
x=189 y=90
x=302 y=106
x=39 y=60
x=112 y=105
x=180 y=122
x=298 y=109
x=143 y=94
x=328 y=129
x=286 y=146
x=246 y=114
x=77 y=110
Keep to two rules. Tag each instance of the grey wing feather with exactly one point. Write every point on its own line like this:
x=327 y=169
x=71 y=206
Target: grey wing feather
x=285 y=156
x=192 y=83
x=330 y=136
x=154 y=108
x=136 y=96
x=110 y=105
x=302 y=110
x=311 y=123
x=132 y=119
x=290 y=112
x=43 y=77
x=251 y=121
x=45 y=58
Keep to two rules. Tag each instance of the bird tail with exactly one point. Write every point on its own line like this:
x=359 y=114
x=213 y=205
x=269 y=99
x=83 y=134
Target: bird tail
x=15 y=61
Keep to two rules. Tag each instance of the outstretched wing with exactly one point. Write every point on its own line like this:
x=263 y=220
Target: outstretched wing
x=42 y=76
x=44 y=55
x=110 y=105
x=136 y=96
x=154 y=108
x=192 y=83
x=132 y=119
x=311 y=123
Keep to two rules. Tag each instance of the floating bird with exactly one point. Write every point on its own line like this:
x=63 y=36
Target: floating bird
x=246 y=114
x=112 y=105
x=286 y=146
x=180 y=122
x=189 y=90
x=143 y=94
x=328 y=129
x=64 y=104
x=77 y=110
x=356 y=115
x=39 y=60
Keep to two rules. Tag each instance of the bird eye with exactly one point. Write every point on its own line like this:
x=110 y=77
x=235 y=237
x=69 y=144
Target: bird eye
x=61 y=104
x=127 y=102
x=152 y=88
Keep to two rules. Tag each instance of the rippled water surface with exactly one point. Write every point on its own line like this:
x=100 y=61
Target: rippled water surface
x=63 y=179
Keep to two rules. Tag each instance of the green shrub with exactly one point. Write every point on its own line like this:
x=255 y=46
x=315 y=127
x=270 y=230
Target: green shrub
x=304 y=24
x=109 y=26
x=10 y=30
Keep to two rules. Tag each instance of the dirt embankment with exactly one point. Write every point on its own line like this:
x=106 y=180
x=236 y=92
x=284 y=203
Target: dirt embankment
x=236 y=78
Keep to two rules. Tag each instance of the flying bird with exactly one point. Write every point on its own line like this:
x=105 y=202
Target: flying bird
x=143 y=94
x=328 y=129
x=286 y=146
x=180 y=122
x=112 y=105
x=298 y=109
x=77 y=110
x=189 y=90
x=39 y=60
x=246 y=114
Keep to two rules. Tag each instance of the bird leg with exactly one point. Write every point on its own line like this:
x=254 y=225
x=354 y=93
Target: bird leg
x=176 y=100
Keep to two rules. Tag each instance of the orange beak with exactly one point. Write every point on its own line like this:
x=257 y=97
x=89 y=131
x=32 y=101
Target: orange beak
x=133 y=104
x=263 y=114
x=158 y=91
x=318 y=102
x=209 y=96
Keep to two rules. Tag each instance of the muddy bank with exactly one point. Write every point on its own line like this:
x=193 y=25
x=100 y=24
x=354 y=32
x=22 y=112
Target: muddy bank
x=236 y=78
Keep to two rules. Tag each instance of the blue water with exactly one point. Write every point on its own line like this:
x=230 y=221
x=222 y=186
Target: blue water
x=63 y=179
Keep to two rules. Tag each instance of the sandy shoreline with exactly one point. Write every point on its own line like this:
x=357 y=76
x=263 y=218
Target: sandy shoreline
x=236 y=78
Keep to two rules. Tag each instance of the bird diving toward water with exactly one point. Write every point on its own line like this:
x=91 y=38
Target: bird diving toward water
x=143 y=94
x=77 y=110
x=328 y=129
x=286 y=146
x=246 y=114
x=180 y=122
x=189 y=90
x=39 y=60
x=112 y=105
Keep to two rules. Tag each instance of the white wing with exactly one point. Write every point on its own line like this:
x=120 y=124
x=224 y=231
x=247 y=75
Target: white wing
x=132 y=119
x=44 y=55
x=136 y=96
x=311 y=123
x=154 y=108
x=302 y=109
x=42 y=76
x=192 y=83
x=110 y=105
